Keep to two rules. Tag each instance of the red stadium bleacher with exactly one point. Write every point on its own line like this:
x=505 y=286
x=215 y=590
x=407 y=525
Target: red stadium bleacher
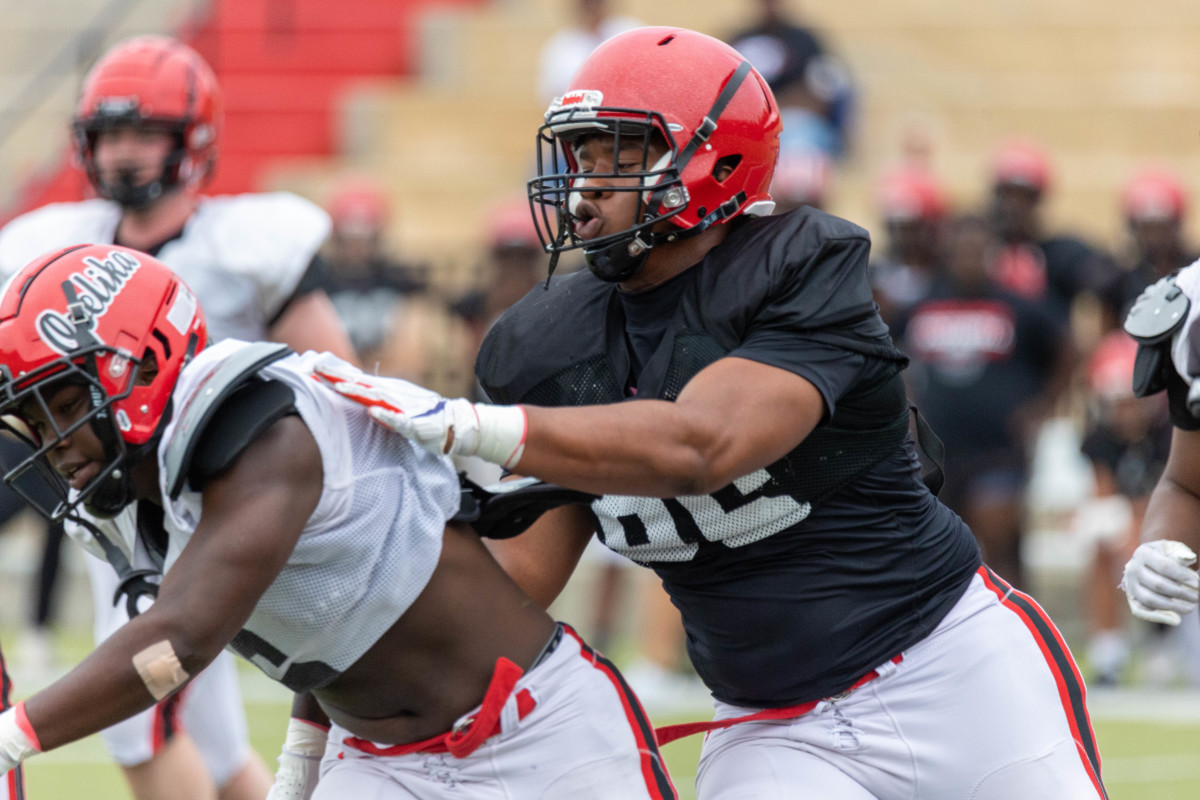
x=282 y=64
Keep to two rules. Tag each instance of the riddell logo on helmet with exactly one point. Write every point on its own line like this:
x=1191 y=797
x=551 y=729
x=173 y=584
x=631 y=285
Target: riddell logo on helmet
x=581 y=99
x=97 y=286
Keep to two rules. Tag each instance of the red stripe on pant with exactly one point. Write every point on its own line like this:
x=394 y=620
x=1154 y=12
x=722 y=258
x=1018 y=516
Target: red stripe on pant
x=658 y=782
x=14 y=779
x=1071 y=689
x=166 y=720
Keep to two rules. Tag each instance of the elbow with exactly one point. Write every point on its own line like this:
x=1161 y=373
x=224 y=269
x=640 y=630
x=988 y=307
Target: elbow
x=194 y=649
x=701 y=467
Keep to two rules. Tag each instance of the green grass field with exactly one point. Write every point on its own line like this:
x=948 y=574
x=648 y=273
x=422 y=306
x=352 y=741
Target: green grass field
x=1143 y=759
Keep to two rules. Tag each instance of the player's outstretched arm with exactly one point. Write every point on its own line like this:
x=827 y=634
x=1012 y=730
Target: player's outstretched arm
x=252 y=516
x=733 y=417
x=1160 y=581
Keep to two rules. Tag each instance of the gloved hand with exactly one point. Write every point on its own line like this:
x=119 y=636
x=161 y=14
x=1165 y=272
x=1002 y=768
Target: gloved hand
x=441 y=426
x=300 y=761
x=1160 y=584
x=17 y=739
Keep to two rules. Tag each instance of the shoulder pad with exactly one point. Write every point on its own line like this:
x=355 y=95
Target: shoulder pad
x=233 y=372
x=1158 y=312
x=247 y=412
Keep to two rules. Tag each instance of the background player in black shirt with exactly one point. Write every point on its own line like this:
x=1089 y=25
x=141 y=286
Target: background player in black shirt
x=722 y=380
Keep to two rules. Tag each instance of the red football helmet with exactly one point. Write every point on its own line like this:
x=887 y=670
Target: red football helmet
x=910 y=194
x=358 y=207
x=158 y=83
x=1110 y=370
x=1154 y=194
x=695 y=93
x=95 y=315
x=1021 y=163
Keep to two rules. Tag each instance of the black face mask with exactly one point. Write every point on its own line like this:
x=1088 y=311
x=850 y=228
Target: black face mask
x=619 y=261
x=128 y=194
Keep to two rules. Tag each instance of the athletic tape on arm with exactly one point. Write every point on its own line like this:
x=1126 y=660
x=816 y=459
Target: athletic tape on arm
x=160 y=669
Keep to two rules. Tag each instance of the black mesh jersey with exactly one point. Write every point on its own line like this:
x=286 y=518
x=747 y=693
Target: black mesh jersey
x=799 y=578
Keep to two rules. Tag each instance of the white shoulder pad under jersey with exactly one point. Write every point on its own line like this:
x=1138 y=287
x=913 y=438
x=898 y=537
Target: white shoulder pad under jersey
x=55 y=226
x=244 y=255
x=1185 y=349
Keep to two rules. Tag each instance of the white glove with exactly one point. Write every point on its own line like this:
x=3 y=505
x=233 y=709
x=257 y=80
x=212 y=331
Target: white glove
x=300 y=761
x=1159 y=583
x=16 y=744
x=444 y=427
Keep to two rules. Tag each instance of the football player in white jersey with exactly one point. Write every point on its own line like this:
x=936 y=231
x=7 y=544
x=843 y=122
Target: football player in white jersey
x=302 y=536
x=1160 y=580
x=147 y=130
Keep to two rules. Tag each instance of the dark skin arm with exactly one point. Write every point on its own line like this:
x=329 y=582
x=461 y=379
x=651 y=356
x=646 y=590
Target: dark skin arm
x=306 y=707
x=543 y=557
x=1174 y=509
x=733 y=417
x=311 y=323
x=253 y=516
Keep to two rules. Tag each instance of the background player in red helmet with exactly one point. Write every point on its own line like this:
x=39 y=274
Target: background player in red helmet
x=147 y=132
x=1154 y=205
x=1046 y=268
x=912 y=206
x=722 y=381
x=296 y=533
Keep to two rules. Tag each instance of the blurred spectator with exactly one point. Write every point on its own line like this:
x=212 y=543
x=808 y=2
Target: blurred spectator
x=987 y=366
x=811 y=85
x=1051 y=270
x=514 y=263
x=1127 y=443
x=565 y=51
x=913 y=207
x=802 y=178
x=370 y=289
x=1154 y=205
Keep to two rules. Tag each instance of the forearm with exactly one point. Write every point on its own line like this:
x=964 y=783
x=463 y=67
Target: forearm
x=649 y=448
x=1173 y=513
x=541 y=559
x=138 y=665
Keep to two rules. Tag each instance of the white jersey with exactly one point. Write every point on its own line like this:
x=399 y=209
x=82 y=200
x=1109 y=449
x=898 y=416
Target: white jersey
x=242 y=255
x=368 y=549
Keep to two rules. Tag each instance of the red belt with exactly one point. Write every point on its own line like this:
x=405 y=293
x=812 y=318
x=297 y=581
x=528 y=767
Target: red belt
x=471 y=732
x=669 y=733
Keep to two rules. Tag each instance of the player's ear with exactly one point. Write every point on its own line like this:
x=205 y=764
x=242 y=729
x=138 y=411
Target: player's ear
x=149 y=368
x=725 y=167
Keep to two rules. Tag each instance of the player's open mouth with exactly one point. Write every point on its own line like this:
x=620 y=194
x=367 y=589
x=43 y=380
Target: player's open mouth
x=78 y=476
x=587 y=226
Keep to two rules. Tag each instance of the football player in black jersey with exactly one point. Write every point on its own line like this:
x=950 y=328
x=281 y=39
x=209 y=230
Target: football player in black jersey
x=722 y=382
